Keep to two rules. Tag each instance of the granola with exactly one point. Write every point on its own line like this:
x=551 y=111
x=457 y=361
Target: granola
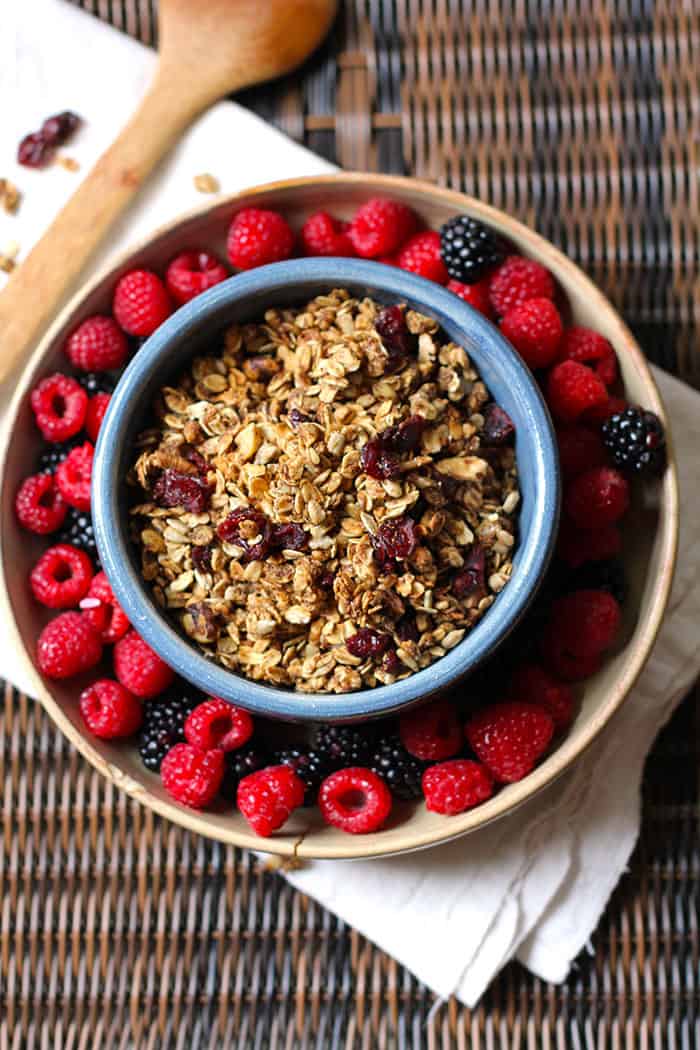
x=330 y=502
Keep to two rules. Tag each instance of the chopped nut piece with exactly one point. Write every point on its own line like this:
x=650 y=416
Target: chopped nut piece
x=10 y=196
x=206 y=183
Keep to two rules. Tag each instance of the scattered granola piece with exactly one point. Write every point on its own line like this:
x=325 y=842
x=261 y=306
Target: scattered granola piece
x=10 y=196
x=206 y=183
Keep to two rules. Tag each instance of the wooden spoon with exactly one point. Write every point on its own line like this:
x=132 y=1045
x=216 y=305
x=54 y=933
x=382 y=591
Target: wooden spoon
x=207 y=50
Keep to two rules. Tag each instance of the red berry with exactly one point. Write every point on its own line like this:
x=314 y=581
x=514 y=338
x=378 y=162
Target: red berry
x=257 y=237
x=580 y=449
x=191 y=776
x=368 y=644
x=139 y=668
x=498 y=428
x=469 y=582
x=67 y=646
x=531 y=682
x=394 y=541
x=516 y=280
x=599 y=413
x=582 y=626
x=577 y=546
x=572 y=666
x=73 y=476
x=59 y=404
x=39 y=505
x=321 y=234
x=109 y=710
x=421 y=255
x=510 y=737
x=175 y=489
x=455 y=786
x=61 y=577
x=216 y=723
x=141 y=302
x=97 y=345
x=589 y=348
x=572 y=389
x=96 y=411
x=355 y=800
x=535 y=329
x=431 y=732
x=267 y=798
x=103 y=611
x=477 y=295
x=380 y=227
x=597 y=498
x=191 y=273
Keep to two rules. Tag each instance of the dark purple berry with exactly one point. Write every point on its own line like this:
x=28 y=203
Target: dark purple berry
x=368 y=643
x=34 y=151
x=230 y=532
x=391 y=663
x=395 y=540
x=407 y=629
x=376 y=461
x=290 y=537
x=296 y=418
x=58 y=129
x=470 y=581
x=498 y=426
x=201 y=558
x=395 y=336
x=175 y=489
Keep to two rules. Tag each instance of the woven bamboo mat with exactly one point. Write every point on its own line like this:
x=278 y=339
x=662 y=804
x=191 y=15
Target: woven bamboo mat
x=121 y=931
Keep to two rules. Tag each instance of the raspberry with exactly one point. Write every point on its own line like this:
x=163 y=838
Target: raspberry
x=597 y=498
x=73 y=476
x=469 y=249
x=580 y=449
x=101 y=609
x=192 y=273
x=600 y=414
x=570 y=665
x=572 y=389
x=67 y=646
x=97 y=345
x=498 y=428
x=141 y=302
x=39 y=505
x=175 y=489
x=605 y=575
x=431 y=732
x=355 y=800
x=257 y=237
x=636 y=441
x=394 y=541
x=510 y=737
x=61 y=577
x=453 y=787
x=321 y=234
x=96 y=411
x=380 y=227
x=531 y=682
x=577 y=546
x=518 y=280
x=139 y=668
x=109 y=710
x=589 y=348
x=267 y=798
x=368 y=644
x=582 y=626
x=421 y=255
x=191 y=776
x=477 y=295
x=59 y=404
x=216 y=723
x=535 y=330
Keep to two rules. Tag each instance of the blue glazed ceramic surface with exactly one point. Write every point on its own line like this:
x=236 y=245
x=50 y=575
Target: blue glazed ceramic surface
x=245 y=297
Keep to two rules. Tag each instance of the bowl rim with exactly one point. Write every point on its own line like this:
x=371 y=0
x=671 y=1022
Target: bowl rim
x=291 y=279
x=17 y=385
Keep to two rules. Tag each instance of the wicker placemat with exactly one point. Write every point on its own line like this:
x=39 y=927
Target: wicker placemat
x=121 y=931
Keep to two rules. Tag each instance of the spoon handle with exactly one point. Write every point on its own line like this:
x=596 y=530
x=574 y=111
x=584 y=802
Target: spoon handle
x=41 y=282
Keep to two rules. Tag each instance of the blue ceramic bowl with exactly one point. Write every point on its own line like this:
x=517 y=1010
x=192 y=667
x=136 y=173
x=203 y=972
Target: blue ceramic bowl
x=245 y=298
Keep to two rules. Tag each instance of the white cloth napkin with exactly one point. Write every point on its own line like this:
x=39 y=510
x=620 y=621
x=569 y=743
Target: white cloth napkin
x=532 y=885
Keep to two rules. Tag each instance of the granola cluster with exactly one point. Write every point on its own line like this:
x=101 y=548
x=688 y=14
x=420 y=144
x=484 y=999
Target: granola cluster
x=331 y=502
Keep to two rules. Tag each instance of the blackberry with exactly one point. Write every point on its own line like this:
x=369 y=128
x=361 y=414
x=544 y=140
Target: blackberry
x=636 y=441
x=97 y=382
x=78 y=531
x=238 y=764
x=600 y=576
x=469 y=249
x=311 y=766
x=344 y=746
x=401 y=771
x=52 y=455
x=163 y=726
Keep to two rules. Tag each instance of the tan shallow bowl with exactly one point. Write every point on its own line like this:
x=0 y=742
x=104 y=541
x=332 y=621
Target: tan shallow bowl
x=650 y=533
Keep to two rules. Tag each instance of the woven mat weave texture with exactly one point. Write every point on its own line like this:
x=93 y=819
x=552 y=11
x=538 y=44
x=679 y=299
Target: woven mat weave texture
x=121 y=931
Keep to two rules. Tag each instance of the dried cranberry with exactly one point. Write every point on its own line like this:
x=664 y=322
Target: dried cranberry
x=34 y=151
x=398 y=341
x=407 y=628
x=175 y=489
x=395 y=540
x=201 y=558
x=391 y=662
x=470 y=581
x=376 y=461
x=296 y=418
x=230 y=532
x=368 y=643
x=291 y=537
x=196 y=459
x=326 y=581
x=498 y=426
x=57 y=129
x=408 y=434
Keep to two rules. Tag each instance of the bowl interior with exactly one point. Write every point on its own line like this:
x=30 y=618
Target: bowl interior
x=649 y=550
x=198 y=328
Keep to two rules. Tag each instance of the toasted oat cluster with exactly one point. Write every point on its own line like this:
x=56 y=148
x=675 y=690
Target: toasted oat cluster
x=330 y=502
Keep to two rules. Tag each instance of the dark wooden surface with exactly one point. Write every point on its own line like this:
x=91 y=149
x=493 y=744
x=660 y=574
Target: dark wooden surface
x=119 y=930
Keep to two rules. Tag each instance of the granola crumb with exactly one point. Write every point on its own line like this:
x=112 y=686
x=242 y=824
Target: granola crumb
x=8 y=257
x=299 y=538
x=69 y=163
x=10 y=196
x=206 y=183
